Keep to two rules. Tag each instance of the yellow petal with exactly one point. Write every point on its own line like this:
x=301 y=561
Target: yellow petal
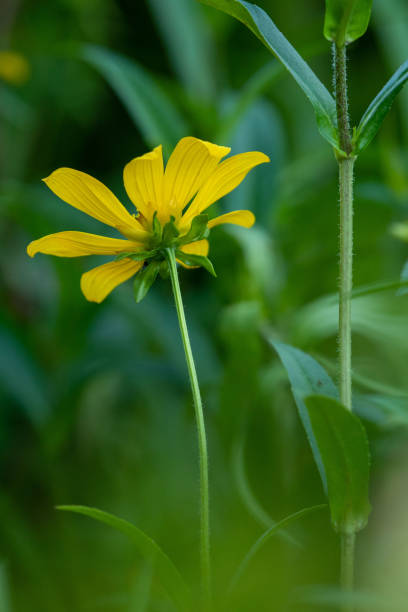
x=143 y=178
x=99 y=282
x=76 y=244
x=226 y=177
x=189 y=166
x=245 y=218
x=200 y=247
x=89 y=195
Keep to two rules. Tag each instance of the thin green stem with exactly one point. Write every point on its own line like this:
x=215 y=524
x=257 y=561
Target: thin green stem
x=346 y=168
x=347 y=569
x=202 y=440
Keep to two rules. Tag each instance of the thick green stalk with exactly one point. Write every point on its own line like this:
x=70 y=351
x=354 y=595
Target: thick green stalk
x=346 y=166
x=202 y=440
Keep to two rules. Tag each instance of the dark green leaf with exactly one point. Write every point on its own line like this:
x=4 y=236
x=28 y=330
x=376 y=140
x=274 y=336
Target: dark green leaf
x=145 y=279
x=198 y=230
x=261 y=541
x=307 y=377
x=376 y=112
x=195 y=261
x=343 y=446
x=346 y=20
x=166 y=572
x=150 y=108
x=263 y=27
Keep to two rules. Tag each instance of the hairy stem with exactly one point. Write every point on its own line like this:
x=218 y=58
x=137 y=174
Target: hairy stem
x=202 y=440
x=347 y=569
x=346 y=167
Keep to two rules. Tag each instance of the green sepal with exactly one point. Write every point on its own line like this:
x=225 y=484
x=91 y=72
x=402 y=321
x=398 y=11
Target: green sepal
x=145 y=279
x=138 y=256
x=196 y=261
x=164 y=270
x=198 y=230
x=346 y=20
x=157 y=229
x=170 y=233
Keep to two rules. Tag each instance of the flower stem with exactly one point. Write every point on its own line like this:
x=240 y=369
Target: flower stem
x=347 y=569
x=346 y=166
x=202 y=440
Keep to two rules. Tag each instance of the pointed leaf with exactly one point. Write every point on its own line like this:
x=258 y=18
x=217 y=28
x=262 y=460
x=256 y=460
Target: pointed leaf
x=346 y=20
x=149 y=106
x=263 y=27
x=307 y=377
x=145 y=279
x=198 y=230
x=343 y=446
x=166 y=571
x=195 y=261
x=139 y=256
x=376 y=112
x=261 y=541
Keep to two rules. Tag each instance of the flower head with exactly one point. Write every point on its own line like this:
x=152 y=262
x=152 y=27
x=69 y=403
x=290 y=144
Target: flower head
x=170 y=204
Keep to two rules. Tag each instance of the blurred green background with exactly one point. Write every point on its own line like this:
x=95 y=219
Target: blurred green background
x=96 y=407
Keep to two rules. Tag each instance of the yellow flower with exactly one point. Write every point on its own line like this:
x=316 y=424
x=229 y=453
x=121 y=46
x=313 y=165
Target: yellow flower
x=169 y=210
x=13 y=67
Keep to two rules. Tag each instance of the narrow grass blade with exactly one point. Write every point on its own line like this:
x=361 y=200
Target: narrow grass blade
x=164 y=568
x=261 y=541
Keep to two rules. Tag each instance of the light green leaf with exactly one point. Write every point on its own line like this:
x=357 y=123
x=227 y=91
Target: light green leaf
x=149 y=106
x=307 y=377
x=376 y=112
x=261 y=541
x=195 y=261
x=385 y=411
x=198 y=230
x=145 y=279
x=343 y=446
x=263 y=27
x=165 y=570
x=346 y=20
x=183 y=27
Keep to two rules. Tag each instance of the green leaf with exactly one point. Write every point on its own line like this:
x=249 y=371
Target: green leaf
x=404 y=280
x=376 y=112
x=170 y=233
x=151 y=109
x=198 y=230
x=145 y=279
x=343 y=446
x=384 y=411
x=166 y=571
x=140 y=256
x=346 y=20
x=183 y=27
x=261 y=541
x=195 y=261
x=263 y=27
x=307 y=377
